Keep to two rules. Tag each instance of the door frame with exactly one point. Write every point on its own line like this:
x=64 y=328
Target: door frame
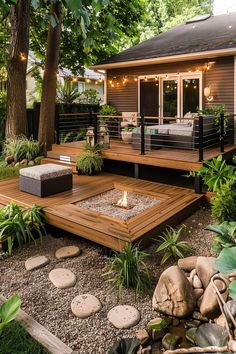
x=178 y=77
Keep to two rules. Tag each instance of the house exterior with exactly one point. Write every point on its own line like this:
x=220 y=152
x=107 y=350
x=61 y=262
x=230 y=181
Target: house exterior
x=189 y=67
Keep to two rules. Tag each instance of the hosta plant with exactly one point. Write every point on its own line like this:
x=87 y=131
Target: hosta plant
x=209 y=334
x=226 y=264
x=225 y=233
x=128 y=269
x=9 y=310
x=171 y=244
x=125 y=346
x=215 y=173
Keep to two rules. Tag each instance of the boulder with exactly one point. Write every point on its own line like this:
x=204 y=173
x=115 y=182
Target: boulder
x=174 y=295
x=9 y=159
x=231 y=304
x=209 y=305
x=206 y=269
x=170 y=341
x=85 y=305
x=142 y=336
x=197 y=284
x=31 y=163
x=187 y=264
x=24 y=162
x=198 y=293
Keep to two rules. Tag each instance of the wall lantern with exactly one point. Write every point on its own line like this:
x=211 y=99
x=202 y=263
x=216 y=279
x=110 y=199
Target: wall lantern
x=104 y=138
x=207 y=94
x=90 y=136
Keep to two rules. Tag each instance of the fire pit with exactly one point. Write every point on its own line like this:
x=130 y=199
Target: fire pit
x=119 y=204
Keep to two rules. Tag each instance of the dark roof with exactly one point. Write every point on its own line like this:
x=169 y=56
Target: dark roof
x=213 y=33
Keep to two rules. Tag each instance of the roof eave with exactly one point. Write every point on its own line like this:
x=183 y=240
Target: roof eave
x=168 y=59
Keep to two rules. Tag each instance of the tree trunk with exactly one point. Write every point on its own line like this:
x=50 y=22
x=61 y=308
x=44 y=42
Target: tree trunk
x=16 y=69
x=47 y=109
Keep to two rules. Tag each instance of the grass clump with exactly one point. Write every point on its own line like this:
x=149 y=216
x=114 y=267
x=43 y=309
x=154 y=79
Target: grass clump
x=171 y=244
x=127 y=269
x=9 y=172
x=21 y=148
x=15 y=339
x=89 y=163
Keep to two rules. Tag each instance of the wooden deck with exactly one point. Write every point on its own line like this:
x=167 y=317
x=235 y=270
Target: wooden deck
x=179 y=159
x=175 y=204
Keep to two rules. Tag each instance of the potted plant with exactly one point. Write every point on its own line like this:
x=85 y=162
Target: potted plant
x=126 y=134
x=89 y=163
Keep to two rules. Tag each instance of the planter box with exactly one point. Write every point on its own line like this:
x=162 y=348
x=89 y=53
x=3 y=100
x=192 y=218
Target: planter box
x=41 y=334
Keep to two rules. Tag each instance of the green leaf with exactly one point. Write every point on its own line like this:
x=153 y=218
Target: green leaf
x=226 y=262
x=125 y=346
x=10 y=308
x=232 y=290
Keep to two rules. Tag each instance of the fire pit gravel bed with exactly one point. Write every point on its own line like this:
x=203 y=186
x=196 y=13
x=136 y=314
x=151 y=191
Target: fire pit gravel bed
x=107 y=204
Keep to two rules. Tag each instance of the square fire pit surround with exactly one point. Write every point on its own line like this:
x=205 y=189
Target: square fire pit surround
x=119 y=204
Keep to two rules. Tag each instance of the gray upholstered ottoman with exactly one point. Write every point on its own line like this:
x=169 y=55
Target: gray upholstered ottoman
x=44 y=180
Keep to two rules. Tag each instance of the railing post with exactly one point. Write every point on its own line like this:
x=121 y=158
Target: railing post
x=222 y=132
x=90 y=117
x=57 y=126
x=142 y=127
x=200 y=138
x=95 y=128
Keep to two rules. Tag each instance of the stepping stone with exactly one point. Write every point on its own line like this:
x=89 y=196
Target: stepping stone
x=85 y=305
x=36 y=262
x=123 y=316
x=67 y=252
x=62 y=278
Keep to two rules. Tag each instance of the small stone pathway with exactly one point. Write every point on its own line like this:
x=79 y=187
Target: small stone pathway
x=84 y=305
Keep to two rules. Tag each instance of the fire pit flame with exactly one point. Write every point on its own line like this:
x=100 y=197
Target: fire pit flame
x=123 y=201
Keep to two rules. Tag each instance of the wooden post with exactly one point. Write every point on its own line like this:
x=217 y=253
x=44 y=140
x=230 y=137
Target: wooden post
x=95 y=128
x=90 y=117
x=200 y=135
x=57 y=126
x=136 y=170
x=142 y=133
x=222 y=133
x=198 y=184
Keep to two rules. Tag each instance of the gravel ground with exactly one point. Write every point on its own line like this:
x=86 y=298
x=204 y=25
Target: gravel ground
x=51 y=306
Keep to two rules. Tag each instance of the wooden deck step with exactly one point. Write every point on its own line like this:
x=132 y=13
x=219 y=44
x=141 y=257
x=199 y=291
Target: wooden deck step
x=58 y=162
x=58 y=155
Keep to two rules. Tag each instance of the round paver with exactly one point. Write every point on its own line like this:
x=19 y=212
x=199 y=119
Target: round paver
x=62 y=278
x=123 y=316
x=67 y=252
x=36 y=262
x=85 y=305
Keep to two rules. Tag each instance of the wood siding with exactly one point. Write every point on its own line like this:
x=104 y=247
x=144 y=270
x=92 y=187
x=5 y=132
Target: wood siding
x=220 y=78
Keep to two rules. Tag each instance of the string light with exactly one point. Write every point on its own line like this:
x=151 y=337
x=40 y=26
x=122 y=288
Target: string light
x=96 y=82
x=156 y=78
x=74 y=79
x=135 y=79
x=145 y=79
x=100 y=80
x=88 y=81
x=230 y=26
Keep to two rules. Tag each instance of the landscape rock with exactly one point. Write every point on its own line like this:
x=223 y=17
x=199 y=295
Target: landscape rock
x=220 y=321
x=17 y=164
x=170 y=341
x=198 y=316
x=157 y=334
x=142 y=335
x=159 y=323
x=9 y=159
x=85 y=305
x=209 y=305
x=174 y=295
x=193 y=273
x=197 y=284
x=187 y=264
x=31 y=163
x=147 y=350
x=36 y=262
x=198 y=293
x=231 y=304
x=62 y=278
x=191 y=335
x=67 y=252
x=206 y=269
x=24 y=162
x=123 y=316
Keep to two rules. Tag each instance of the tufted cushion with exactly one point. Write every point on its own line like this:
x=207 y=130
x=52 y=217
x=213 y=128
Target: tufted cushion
x=44 y=172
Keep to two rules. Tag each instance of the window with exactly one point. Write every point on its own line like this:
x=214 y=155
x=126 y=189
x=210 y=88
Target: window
x=81 y=87
x=170 y=95
x=190 y=95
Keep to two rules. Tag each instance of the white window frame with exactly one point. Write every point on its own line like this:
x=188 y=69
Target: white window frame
x=179 y=77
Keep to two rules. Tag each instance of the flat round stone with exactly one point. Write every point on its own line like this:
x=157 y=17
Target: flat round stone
x=36 y=262
x=85 y=305
x=67 y=252
x=123 y=316
x=62 y=278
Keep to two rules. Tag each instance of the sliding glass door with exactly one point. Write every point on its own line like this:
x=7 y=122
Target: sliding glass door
x=190 y=90
x=149 y=97
x=170 y=98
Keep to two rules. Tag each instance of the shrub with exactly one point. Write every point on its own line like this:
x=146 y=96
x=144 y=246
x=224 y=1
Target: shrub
x=215 y=173
x=128 y=269
x=217 y=111
x=89 y=163
x=9 y=310
x=90 y=96
x=3 y=104
x=226 y=264
x=109 y=110
x=224 y=203
x=21 y=148
x=97 y=148
x=19 y=225
x=171 y=244
x=67 y=92
x=225 y=233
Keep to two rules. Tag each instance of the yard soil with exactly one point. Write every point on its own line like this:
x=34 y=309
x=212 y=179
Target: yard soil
x=51 y=306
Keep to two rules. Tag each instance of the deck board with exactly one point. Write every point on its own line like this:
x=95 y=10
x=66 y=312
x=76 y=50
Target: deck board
x=60 y=211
